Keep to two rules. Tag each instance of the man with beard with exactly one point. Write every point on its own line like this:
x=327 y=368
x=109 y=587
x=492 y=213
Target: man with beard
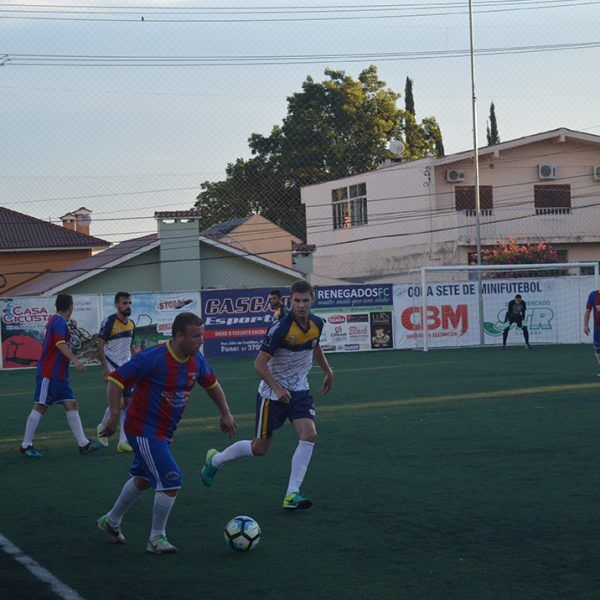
x=115 y=348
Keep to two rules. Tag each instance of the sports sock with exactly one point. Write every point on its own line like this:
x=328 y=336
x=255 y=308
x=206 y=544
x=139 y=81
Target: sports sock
x=122 y=436
x=162 y=508
x=105 y=418
x=240 y=449
x=129 y=495
x=597 y=355
x=74 y=421
x=526 y=334
x=33 y=420
x=300 y=462
x=505 y=334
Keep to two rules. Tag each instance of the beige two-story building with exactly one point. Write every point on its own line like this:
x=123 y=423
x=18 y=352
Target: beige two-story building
x=378 y=225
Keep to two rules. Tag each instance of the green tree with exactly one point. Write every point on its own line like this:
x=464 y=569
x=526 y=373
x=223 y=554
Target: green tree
x=334 y=128
x=492 y=127
x=409 y=100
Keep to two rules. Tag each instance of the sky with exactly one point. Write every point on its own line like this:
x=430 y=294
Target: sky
x=125 y=141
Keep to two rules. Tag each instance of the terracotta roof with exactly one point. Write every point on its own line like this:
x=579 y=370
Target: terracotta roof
x=20 y=231
x=49 y=281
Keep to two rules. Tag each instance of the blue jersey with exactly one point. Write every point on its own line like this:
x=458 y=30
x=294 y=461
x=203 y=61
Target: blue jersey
x=53 y=363
x=117 y=337
x=162 y=387
x=291 y=347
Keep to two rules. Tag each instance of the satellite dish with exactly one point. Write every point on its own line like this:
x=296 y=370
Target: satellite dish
x=396 y=147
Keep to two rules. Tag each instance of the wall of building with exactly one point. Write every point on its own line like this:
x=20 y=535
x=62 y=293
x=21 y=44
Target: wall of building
x=18 y=267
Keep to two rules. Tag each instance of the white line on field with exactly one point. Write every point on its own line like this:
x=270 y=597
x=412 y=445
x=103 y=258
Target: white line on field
x=58 y=587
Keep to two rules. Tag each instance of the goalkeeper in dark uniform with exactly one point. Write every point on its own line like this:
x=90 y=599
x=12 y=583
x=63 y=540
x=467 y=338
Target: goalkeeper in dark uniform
x=516 y=314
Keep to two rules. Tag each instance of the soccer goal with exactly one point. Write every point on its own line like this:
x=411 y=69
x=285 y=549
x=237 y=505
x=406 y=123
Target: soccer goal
x=458 y=305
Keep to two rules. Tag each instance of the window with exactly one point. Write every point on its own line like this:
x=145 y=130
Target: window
x=552 y=199
x=464 y=199
x=349 y=205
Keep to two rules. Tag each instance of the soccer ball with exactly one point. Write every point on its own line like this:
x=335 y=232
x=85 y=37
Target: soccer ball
x=242 y=533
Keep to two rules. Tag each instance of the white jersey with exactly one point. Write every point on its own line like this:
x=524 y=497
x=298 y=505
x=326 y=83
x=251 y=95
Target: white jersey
x=118 y=337
x=291 y=347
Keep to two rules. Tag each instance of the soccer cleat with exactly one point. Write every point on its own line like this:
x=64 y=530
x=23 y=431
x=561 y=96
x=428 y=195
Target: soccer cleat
x=159 y=544
x=296 y=500
x=30 y=452
x=115 y=533
x=209 y=470
x=102 y=440
x=90 y=447
x=124 y=447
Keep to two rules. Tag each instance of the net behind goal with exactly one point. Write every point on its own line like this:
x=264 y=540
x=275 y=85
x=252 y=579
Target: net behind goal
x=467 y=306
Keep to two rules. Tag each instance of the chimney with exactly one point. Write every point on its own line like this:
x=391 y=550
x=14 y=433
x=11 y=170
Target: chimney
x=179 y=237
x=302 y=258
x=79 y=220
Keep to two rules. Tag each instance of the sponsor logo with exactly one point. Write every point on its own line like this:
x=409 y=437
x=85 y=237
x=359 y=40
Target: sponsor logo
x=174 y=303
x=337 y=319
x=171 y=476
x=537 y=319
x=328 y=347
x=351 y=346
x=359 y=330
x=358 y=318
x=445 y=317
x=242 y=304
x=16 y=313
x=312 y=412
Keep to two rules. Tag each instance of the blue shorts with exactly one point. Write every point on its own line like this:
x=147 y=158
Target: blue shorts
x=52 y=391
x=596 y=338
x=153 y=461
x=272 y=414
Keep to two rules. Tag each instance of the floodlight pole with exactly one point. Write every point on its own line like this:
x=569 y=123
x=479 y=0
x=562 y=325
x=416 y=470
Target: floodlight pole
x=476 y=173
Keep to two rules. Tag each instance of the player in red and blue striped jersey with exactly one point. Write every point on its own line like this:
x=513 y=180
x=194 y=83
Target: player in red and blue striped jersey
x=163 y=378
x=52 y=380
x=593 y=305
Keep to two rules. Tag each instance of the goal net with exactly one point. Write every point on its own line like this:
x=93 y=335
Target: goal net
x=467 y=305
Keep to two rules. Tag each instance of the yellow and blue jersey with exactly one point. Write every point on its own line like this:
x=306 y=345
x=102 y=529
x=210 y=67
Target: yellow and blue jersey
x=291 y=347
x=118 y=337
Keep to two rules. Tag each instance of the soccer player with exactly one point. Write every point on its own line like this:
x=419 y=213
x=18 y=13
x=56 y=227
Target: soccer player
x=115 y=347
x=163 y=377
x=279 y=309
x=52 y=380
x=593 y=304
x=516 y=314
x=283 y=363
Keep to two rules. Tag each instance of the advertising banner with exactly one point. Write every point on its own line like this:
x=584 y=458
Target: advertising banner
x=357 y=317
x=235 y=321
x=153 y=314
x=23 y=321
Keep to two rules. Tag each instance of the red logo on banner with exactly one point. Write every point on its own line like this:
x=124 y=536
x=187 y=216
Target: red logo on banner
x=438 y=317
x=337 y=319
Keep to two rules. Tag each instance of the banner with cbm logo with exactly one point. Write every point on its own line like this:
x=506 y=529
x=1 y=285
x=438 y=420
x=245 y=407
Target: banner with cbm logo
x=357 y=317
x=236 y=321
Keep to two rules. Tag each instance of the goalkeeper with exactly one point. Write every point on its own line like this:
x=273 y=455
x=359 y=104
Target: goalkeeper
x=516 y=314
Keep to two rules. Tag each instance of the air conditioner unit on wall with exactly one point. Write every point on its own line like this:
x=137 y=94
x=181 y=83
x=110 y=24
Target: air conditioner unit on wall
x=548 y=171
x=454 y=175
x=596 y=172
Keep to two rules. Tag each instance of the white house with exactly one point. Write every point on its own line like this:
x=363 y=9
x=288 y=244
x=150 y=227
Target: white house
x=377 y=225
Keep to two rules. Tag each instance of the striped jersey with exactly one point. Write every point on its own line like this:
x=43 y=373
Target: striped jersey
x=118 y=337
x=162 y=388
x=593 y=303
x=54 y=364
x=291 y=347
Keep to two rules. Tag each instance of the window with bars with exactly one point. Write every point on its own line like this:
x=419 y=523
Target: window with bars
x=552 y=199
x=349 y=206
x=464 y=199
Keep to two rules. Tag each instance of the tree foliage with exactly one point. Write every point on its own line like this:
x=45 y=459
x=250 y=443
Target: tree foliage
x=492 y=128
x=512 y=253
x=333 y=128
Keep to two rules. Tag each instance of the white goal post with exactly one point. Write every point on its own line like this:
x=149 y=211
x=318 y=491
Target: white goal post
x=482 y=278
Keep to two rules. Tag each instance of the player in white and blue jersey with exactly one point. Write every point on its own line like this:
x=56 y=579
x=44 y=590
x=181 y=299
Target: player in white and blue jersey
x=116 y=346
x=283 y=363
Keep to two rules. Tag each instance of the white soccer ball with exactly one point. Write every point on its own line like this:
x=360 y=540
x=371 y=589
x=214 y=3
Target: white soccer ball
x=242 y=533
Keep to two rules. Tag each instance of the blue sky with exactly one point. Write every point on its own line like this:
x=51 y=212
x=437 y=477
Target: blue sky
x=127 y=133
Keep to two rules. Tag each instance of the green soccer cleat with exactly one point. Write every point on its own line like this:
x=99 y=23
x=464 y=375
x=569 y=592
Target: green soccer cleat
x=115 y=533
x=102 y=440
x=90 y=447
x=30 y=452
x=159 y=544
x=209 y=470
x=296 y=500
x=124 y=447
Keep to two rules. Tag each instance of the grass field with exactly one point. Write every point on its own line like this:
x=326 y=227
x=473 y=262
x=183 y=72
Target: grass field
x=450 y=474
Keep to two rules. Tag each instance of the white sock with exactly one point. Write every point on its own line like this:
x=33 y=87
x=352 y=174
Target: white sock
x=33 y=420
x=300 y=462
x=105 y=418
x=74 y=421
x=240 y=449
x=162 y=508
x=122 y=436
x=129 y=495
